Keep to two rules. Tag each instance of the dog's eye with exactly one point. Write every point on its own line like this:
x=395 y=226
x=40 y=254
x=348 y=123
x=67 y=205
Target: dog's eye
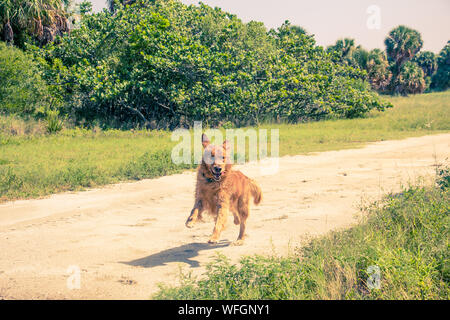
x=209 y=159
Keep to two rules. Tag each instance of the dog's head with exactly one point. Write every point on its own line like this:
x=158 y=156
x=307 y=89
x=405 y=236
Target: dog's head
x=215 y=159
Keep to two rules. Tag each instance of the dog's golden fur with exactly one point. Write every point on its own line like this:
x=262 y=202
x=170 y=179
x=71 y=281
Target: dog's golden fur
x=220 y=190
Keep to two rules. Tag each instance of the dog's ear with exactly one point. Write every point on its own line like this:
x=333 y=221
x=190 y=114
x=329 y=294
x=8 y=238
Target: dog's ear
x=226 y=145
x=205 y=140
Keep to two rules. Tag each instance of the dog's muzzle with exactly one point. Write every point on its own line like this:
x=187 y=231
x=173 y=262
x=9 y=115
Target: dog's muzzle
x=217 y=173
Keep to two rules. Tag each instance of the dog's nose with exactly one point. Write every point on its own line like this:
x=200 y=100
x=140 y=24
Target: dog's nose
x=217 y=169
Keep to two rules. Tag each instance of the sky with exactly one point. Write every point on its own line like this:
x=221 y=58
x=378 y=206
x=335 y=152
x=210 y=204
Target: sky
x=367 y=21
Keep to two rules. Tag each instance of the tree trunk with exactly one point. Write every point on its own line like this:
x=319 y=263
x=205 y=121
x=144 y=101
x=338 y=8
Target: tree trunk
x=48 y=35
x=146 y=123
x=8 y=33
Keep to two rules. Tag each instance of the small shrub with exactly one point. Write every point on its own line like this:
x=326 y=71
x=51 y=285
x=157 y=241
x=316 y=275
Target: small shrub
x=443 y=177
x=13 y=125
x=53 y=122
x=8 y=179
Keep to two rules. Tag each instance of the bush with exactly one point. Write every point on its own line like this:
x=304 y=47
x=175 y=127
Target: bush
x=410 y=80
x=441 y=79
x=443 y=173
x=53 y=121
x=164 y=64
x=406 y=237
x=22 y=90
x=14 y=125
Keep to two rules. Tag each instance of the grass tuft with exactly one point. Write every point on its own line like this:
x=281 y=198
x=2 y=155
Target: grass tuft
x=405 y=237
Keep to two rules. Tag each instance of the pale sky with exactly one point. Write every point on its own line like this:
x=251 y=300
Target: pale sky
x=330 y=20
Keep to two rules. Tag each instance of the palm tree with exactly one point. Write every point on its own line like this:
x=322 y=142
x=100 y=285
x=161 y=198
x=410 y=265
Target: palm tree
x=378 y=70
x=427 y=60
x=410 y=79
x=441 y=79
x=402 y=44
x=112 y=4
x=360 y=58
x=42 y=19
x=298 y=30
x=348 y=46
x=345 y=48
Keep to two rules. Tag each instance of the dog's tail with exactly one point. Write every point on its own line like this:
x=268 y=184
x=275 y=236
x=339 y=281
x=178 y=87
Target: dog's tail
x=256 y=192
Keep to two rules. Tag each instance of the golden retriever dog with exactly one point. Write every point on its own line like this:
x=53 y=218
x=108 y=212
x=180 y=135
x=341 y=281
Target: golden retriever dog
x=220 y=190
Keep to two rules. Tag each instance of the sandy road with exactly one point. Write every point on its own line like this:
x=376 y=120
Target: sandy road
x=126 y=238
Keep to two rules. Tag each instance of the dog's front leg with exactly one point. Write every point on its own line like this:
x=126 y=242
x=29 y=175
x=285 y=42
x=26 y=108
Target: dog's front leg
x=221 y=219
x=195 y=214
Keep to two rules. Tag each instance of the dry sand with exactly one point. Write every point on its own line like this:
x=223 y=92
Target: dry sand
x=126 y=238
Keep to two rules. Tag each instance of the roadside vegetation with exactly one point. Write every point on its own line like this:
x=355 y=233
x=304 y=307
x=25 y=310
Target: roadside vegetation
x=402 y=68
x=97 y=105
x=35 y=163
x=405 y=237
x=163 y=64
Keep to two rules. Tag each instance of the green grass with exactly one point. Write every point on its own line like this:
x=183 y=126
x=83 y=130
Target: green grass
x=406 y=236
x=34 y=164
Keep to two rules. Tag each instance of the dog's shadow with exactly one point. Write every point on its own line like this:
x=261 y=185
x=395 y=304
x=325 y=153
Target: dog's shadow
x=182 y=253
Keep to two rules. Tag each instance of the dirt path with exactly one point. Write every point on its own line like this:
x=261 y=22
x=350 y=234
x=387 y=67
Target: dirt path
x=126 y=238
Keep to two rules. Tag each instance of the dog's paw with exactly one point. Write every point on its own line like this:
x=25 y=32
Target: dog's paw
x=238 y=242
x=190 y=223
x=212 y=241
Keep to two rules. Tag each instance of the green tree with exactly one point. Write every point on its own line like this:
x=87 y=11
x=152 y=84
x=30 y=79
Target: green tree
x=378 y=70
x=402 y=44
x=298 y=30
x=164 y=64
x=427 y=60
x=360 y=57
x=410 y=80
x=441 y=79
x=85 y=7
x=22 y=90
x=39 y=19
x=344 y=48
x=113 y=5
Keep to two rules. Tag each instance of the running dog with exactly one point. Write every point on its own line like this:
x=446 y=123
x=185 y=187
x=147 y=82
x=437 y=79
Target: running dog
x=220 y=189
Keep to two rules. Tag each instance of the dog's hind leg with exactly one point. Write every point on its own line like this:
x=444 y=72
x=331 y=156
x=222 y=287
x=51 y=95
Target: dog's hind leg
x=243 y=215
x=195 y=215
x=236 y=217
x=221 y=220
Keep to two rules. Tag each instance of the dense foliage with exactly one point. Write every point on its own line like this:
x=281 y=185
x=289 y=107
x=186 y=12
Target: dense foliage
x=34 y=164
x=410 y=79
x=32 y=20
x=165 y=64
x=22 y=90
x=441 y=80
x=397 y=70
x=402 y=44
